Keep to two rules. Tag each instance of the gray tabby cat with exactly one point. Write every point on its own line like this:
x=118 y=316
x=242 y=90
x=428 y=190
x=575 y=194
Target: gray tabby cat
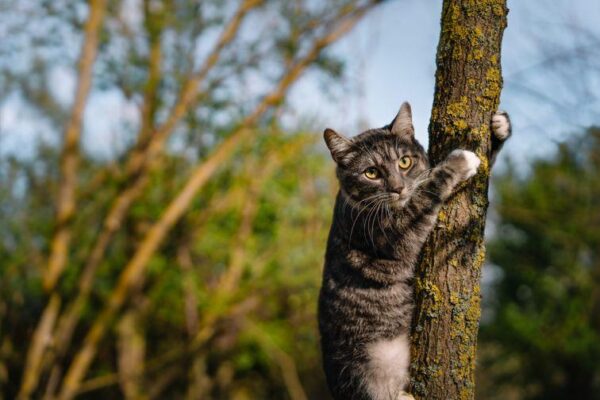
x=388 y=203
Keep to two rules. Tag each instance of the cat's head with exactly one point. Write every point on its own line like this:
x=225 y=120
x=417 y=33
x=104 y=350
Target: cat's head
x=379 y=165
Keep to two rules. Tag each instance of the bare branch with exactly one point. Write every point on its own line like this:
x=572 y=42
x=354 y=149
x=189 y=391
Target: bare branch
x=70 y=154
x=40 y=340
x=184 y=259
x=59 y=244
x=188 y=93
x=132 y=348
x=138 y=166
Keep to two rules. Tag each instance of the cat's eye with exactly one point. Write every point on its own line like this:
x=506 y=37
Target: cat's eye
x=371 y=173
x=405 y=162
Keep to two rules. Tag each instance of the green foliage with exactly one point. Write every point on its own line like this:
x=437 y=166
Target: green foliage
x=272 y=305
x=542 y=340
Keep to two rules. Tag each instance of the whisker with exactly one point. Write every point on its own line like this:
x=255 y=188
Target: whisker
x=373 y=200
x=384 y=206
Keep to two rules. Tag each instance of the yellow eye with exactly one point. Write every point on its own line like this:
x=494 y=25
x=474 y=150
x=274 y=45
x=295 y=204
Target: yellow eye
x=405 y=162
x=372 y=173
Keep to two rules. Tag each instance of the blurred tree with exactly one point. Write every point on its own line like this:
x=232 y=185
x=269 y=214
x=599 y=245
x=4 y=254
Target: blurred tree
x=117 y=279
x=542 y=337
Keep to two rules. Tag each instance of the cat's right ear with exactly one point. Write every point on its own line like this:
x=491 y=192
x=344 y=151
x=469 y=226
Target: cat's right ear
x=339 y=145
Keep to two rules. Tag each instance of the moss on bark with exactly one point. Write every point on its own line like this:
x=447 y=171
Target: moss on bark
x=467 y=93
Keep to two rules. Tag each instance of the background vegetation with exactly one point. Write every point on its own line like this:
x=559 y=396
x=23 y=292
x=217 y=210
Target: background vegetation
x=542 y=336
x=194 y=248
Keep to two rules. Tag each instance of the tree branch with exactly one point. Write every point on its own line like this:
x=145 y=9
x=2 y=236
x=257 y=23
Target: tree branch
x=136 y=174
x=70 y=154
x=65 y=207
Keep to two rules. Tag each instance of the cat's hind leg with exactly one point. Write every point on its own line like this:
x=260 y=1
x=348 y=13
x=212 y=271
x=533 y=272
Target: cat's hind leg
x=405 y=396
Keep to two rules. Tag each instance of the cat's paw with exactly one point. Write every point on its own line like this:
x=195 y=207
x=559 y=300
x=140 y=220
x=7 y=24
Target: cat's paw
x=405 y=396
x=465 y=161
x=501 y=125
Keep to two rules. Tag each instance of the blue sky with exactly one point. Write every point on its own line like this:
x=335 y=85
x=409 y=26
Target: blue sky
x=391 y=58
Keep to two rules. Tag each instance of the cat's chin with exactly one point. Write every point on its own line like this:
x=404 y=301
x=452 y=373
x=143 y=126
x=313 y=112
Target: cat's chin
x=399 y=204
x=398 y=201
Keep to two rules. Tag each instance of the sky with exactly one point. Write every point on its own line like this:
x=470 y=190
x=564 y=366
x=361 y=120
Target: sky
x=390 y=58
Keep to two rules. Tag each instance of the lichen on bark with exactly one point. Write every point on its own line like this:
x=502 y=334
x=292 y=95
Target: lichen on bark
x=467 y=93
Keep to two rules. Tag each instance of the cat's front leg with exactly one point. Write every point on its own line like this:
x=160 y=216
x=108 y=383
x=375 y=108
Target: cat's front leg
x=459 y=166
x=441 y=181
x=420 y=213
x=426 y=199
x=501 y=131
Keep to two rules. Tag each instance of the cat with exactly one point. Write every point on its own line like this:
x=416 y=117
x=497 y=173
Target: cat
x=387 y=204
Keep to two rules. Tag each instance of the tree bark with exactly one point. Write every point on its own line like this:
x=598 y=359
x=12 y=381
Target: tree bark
x=467 y=93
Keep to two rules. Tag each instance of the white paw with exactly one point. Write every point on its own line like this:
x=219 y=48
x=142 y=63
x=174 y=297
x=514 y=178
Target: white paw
x=405 y=396
x=471 y=160
x=501 y=125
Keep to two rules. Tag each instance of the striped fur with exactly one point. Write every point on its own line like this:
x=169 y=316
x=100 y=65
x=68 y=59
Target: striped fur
x=378 y=229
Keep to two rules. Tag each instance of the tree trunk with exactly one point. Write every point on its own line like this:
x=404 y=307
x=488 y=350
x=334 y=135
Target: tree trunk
x=467 y=92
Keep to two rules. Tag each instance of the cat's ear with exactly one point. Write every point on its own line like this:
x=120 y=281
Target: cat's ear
x=402 y=125
x=339 y=145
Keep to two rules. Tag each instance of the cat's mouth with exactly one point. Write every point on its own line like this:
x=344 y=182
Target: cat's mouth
x=398 y=201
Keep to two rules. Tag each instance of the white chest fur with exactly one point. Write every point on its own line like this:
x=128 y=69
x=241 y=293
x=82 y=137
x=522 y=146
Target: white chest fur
x=387 y=370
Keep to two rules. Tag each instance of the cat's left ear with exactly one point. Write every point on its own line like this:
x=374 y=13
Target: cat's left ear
x=402 y=125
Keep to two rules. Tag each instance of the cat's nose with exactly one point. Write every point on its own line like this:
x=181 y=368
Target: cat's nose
x=401 y=190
